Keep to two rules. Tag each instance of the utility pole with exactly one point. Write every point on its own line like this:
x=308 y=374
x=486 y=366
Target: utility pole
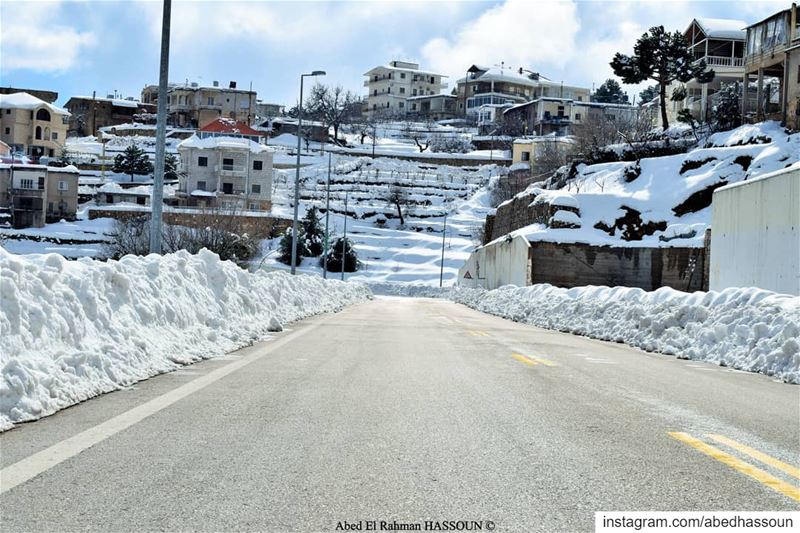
x=327 y=218
x=297 y=172
x=444 y=233
x=344 y=239
x=157 y=199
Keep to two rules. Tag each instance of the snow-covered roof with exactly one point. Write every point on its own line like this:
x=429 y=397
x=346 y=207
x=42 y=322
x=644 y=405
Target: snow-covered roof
x=229 y=125
x=139 y=190
x=119 y=102
x=234 y=143
x=722 y=28
x=382 y=68
x=71 y=169
x=28 y=101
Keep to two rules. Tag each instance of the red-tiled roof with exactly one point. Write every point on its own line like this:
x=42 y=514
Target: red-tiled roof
x=228 y=125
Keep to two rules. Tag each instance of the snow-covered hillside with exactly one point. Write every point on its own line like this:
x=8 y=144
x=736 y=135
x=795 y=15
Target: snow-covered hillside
x=70 y=330
x=665 y=200
x=411 y=253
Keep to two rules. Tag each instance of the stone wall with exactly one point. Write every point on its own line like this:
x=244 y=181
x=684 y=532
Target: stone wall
x=573 y=265
x=260 y=226
x=518 y=213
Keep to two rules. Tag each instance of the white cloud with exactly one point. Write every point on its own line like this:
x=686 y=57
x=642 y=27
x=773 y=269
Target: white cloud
x=518 y=33
x=32 y=39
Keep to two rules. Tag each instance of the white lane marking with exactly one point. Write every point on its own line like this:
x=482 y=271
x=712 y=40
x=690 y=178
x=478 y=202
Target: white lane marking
x=39 y=462
x=701 y=367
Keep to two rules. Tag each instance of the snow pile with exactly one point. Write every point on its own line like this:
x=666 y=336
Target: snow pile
x=70 y=330
x=744 y=328
x=415 y=290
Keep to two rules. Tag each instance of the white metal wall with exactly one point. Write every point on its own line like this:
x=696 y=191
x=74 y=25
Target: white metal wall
x=502 y=263
x=755 y=234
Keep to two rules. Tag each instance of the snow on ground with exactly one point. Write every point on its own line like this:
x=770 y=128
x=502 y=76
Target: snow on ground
x=70 y=330
x=660 y=185
x=80 y=238
x=744 y=328
x=391 y=253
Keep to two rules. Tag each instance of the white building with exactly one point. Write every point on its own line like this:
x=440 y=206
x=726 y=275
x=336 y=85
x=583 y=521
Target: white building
x=390 y=86
x=226 y=171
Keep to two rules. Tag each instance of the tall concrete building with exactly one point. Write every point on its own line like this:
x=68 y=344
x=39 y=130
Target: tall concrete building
x=391 y=86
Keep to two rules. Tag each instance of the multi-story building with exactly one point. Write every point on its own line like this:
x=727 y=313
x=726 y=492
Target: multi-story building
x=432 y=107
x=547 y=115
x=266 y=110
x=226 y=172
x=194 y=106
x=772 y=55
x=390 y=87
x=720 y=42
x=483 y=88
x=36 y=194
x=90 y=113
x=32 y=126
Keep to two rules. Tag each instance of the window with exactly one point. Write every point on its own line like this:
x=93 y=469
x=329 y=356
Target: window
x=255 y=188
x=375 y=92
x=414 y=92
x=55 y=136
x=8 y=131
x=43 y=114
x=39 y=132
x=252 y=206
x=402 y=105
x=201 y=185
x=141 y=200
x=8 y=111
x=413 y=107
x=432 y=80
x=227 y=188
x=227 y=164
x=210 y=100
x=63 y=186
x=202 y=161
x=798 y=73
x=577 y=116
x=526 y=156
x=402 y=90
x=402 y=75
x=26 y=183
x=258 y=165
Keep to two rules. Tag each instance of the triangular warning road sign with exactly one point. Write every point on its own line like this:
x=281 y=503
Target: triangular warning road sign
x=467 y=275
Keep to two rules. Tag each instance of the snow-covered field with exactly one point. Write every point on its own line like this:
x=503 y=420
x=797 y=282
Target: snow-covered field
x=70 y=330
x=747 y=329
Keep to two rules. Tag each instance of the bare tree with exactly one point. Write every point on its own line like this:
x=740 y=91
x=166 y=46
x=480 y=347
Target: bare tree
x=594 y=133
x=421 y=137
x=332 y=105
x=398 y=197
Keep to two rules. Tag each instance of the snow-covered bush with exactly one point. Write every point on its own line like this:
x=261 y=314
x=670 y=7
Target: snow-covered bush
x=450 y=144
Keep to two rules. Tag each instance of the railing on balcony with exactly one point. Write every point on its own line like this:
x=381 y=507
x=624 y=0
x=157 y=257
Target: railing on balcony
x=723 y=61
x=231 y=169
x=34 y=193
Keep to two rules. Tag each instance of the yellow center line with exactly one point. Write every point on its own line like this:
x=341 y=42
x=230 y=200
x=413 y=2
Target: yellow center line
x=745 y=468
x=545 y=362
x=757 y=455
x=523 y=359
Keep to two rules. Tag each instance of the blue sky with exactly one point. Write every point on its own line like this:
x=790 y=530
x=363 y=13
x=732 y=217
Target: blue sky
x=75 y=47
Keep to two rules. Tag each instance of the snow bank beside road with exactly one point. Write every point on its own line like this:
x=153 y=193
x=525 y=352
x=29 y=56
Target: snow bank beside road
x=748 y=329
x=70 y=330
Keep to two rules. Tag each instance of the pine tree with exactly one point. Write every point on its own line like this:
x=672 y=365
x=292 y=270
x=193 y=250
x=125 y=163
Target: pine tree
x=648 y=94
x=171 y=167
x=133 y=161
x=285 y=246
x=313 y=233
x=726 y=114
x=342 y=248
x=663 y=57
x=610 y=92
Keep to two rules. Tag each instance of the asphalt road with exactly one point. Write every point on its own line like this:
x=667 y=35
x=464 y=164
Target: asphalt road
x=407 y=410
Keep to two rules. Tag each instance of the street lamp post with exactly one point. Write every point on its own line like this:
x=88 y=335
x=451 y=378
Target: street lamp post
x=297 y=173
x=327 y=218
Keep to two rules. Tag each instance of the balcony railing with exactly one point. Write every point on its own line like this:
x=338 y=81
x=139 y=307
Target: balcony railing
x=33 y=193
x=231 y=169
x=723 y=61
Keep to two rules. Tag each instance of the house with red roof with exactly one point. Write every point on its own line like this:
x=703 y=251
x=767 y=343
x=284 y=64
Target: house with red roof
x=228 y=127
